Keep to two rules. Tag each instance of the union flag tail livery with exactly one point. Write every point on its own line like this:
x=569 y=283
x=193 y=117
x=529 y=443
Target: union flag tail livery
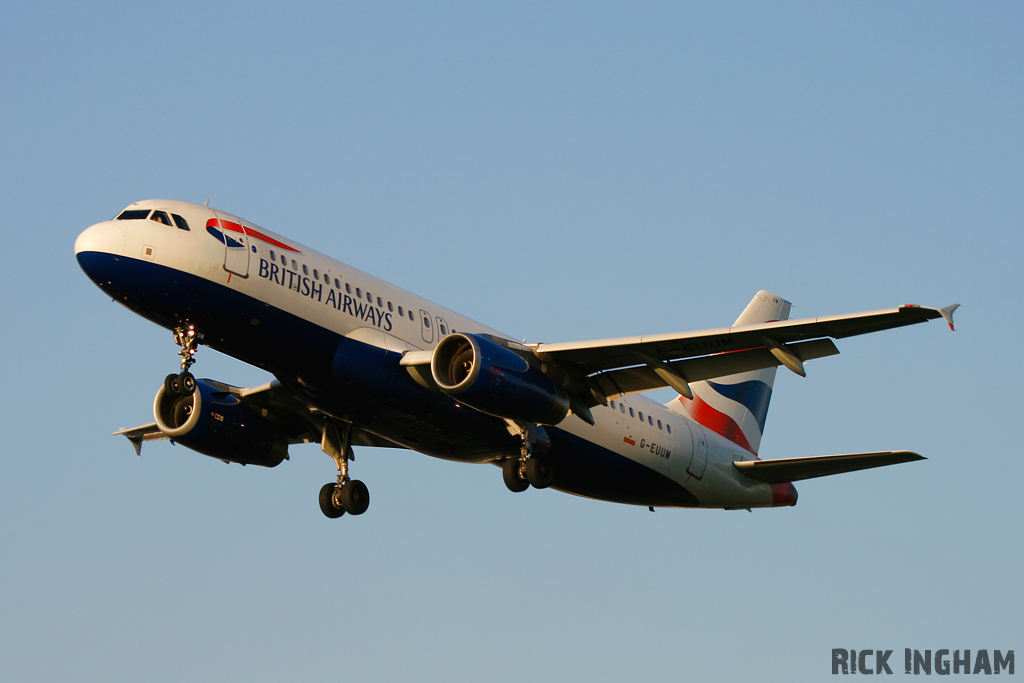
x=357 y=362
x=736 y=406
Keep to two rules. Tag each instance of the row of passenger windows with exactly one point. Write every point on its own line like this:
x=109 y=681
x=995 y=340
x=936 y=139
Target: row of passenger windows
x=158 y=216
x=650 y=419
x=161 y=217
x=348 y=289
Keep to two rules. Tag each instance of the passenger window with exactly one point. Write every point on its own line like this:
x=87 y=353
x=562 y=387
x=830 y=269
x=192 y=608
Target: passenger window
x=337 y=285
x=273 y=256
x=327 y=279
x=668 y=428
x=391 y=309
x=622 y=408
x=295 y=266
x=401 y=313
x=133 y=215
x=612 y=404
x=316 y=274
x=180 y=222
x=369 y=297
x=426 y=322
x=359 y=293
x=650 y=420
x=161 y=217
x=444 y=330
x=641 y=416
x=412 y=317
x=631 y=413
x=284 y=261
x=348 y=288
x=305 y=270
x=380 y=304
x=659 y=424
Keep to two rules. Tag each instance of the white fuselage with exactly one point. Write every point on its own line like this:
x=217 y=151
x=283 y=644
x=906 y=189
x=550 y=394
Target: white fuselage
x=285 y=276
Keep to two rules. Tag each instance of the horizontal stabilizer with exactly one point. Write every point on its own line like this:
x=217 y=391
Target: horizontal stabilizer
x=794 y=469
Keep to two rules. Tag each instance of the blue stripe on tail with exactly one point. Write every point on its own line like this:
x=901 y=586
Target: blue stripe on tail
x=753 y=395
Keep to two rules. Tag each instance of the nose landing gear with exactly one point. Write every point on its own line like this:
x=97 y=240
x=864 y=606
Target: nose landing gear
x=184 y=383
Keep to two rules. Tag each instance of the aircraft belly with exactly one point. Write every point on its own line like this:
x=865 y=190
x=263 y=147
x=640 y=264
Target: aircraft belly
x=588 y=469
x=230 y=321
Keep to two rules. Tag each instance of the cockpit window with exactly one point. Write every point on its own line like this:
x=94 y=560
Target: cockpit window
x=133 y=215
x=161 y=217
x=179 y=221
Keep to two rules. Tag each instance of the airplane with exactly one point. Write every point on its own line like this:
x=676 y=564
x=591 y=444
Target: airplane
x=357 y=361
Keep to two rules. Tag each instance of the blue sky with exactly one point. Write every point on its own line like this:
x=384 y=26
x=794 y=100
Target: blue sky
x=560 y=171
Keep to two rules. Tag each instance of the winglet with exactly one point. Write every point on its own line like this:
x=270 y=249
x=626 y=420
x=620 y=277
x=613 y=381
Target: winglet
x=136 y=435
x=947 y=314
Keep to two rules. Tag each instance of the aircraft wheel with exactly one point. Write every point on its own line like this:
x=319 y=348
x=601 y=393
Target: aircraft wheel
x=355 y=497
x=510 y=473
x=327 y=504
x=538 y=473
x=172 y=385
x=187 y=382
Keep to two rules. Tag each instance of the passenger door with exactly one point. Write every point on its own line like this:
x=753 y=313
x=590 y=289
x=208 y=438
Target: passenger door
x=236 y=247
x=700 y=450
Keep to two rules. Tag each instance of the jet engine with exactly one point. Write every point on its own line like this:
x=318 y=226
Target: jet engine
x=219 y=424
x=496 y=380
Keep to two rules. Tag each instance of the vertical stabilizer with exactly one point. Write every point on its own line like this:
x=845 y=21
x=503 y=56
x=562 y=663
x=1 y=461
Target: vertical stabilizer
x=736 y=406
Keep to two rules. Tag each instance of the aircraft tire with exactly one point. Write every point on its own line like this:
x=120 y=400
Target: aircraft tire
x=187 y=382
x=172 y=385
x=355 y=497
x=539 y=473
x=510 y=473
x=327 y=505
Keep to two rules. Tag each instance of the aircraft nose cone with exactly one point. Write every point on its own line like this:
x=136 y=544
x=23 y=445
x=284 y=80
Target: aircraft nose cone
x=98 y=249
x=106 y=237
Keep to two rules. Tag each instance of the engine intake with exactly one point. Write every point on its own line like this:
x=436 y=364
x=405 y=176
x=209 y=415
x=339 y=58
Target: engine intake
x=495 y=380
x=220 y=425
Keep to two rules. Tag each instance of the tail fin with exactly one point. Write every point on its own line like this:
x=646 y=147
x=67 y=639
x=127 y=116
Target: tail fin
x=736 y=406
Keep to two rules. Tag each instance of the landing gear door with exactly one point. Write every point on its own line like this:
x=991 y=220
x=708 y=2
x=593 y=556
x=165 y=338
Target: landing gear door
x=236 y=247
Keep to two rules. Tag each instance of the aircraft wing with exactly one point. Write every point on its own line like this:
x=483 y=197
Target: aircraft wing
x=291 y=416
x=632 y=364
x=794 y=469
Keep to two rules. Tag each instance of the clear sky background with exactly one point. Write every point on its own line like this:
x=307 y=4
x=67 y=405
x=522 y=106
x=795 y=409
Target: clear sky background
x=563 y=172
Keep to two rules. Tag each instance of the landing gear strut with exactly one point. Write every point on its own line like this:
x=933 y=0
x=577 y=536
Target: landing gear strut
x=520 y=473
x=344 y=495
x=183 y=384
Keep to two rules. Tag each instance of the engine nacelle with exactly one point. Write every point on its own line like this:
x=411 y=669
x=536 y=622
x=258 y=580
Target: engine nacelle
x=496 y=380
x=220 y=425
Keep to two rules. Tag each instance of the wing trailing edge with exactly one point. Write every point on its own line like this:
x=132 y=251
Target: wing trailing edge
x=795 y=469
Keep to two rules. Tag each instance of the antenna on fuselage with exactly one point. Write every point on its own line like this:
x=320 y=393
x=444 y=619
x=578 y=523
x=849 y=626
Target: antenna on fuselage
x=207 y=202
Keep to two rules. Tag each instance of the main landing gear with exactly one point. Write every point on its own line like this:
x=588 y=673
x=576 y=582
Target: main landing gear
x=344 y=495
x=520 y=473
x=184 y=384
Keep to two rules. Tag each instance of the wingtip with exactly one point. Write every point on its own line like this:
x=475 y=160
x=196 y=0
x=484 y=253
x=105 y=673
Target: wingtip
x=909 y=456
x=947 y=314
